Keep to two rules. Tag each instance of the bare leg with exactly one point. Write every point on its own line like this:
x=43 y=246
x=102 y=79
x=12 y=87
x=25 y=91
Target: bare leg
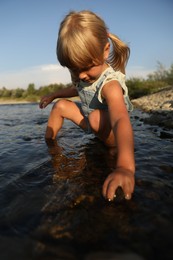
x=100 y=124
x=63 y=109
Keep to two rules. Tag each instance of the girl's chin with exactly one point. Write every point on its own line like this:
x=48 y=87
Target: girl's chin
x=89 y=80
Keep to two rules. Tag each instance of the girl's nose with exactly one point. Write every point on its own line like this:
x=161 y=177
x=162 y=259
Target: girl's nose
x=82 y=75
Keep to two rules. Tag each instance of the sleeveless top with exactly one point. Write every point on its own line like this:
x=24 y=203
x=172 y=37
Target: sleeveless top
x=90 y=93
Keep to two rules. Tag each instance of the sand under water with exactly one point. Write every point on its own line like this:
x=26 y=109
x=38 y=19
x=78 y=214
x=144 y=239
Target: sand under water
x=51 y=206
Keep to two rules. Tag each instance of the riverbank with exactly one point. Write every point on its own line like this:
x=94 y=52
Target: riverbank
x=159 y=106
x=16 y=101
x=13 y=101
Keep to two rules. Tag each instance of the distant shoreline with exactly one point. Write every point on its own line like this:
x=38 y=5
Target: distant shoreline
x=13 y=102
x=158 y=105
x=159 y=101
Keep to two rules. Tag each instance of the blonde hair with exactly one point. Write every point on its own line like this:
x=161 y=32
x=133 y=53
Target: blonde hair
x=81 y=41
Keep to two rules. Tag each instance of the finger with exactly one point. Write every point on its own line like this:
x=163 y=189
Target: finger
x=128 y=196
x=128 y=192
x=40 y=104
x=43 y=104
x=111 y=190
x=104 y=188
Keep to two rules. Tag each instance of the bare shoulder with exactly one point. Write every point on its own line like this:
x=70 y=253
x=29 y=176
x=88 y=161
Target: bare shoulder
x=112 y=90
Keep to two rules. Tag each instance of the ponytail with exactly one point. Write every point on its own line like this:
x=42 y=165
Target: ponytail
x=119 y=54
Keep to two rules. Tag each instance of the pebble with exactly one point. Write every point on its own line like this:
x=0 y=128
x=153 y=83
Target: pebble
x=159 y=106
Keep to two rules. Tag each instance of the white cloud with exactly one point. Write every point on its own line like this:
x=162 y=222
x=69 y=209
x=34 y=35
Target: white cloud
x=39 y=75
x=51 y=67
x=137 y=71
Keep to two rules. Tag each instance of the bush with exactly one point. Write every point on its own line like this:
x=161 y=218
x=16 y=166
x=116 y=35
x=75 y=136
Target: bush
x=139 y=87
x=157 y=80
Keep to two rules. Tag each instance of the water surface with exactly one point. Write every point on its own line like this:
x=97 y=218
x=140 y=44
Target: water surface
x=51 y=205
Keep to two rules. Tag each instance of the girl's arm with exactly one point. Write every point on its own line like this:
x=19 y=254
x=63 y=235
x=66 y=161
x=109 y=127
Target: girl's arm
x=62 y=93
x=123 y=175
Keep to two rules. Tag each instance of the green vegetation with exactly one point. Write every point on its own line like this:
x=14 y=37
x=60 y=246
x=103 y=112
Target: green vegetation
x=138 y=87
x=31 y=94
x=154 y=82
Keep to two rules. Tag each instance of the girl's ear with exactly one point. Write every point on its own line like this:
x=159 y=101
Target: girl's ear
x=106 y=51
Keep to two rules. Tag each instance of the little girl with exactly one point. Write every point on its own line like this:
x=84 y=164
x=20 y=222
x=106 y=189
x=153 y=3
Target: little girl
x=96 y=60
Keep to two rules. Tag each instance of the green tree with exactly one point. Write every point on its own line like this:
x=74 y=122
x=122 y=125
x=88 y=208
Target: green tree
x=160 y=74
x=169 y=78
x=31 y=89
x=17 y=93
x=5 y=93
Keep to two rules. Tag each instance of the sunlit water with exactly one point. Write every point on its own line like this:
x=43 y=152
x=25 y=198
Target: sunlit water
x=51 y=205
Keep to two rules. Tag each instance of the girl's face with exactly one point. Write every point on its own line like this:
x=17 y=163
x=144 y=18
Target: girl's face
x=90 y=74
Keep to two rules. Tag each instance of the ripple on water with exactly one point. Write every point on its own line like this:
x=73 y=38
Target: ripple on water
x=51 y=195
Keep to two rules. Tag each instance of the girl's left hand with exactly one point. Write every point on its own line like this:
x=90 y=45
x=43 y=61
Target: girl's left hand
x=121 y=177
x=46 y=100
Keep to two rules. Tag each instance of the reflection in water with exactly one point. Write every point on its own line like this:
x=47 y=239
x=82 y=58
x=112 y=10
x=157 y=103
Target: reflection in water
x=78 y=218
x=77 y=214
x=51 y=206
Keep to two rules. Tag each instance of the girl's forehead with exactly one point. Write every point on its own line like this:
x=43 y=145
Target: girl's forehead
x=84 y=66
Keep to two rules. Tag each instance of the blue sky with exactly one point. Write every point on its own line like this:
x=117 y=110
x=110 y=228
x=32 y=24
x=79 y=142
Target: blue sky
x=28 y=35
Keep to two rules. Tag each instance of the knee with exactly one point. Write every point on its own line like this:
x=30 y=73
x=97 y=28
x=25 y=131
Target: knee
x=60 y=105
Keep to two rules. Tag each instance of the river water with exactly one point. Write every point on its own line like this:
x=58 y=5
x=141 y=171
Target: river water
x=51 y=205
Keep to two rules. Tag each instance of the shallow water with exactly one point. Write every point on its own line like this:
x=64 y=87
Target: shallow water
x=51 y=205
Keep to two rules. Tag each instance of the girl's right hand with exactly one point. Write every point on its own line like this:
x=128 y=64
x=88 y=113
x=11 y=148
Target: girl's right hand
x=121 y=177
x=46 y=100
